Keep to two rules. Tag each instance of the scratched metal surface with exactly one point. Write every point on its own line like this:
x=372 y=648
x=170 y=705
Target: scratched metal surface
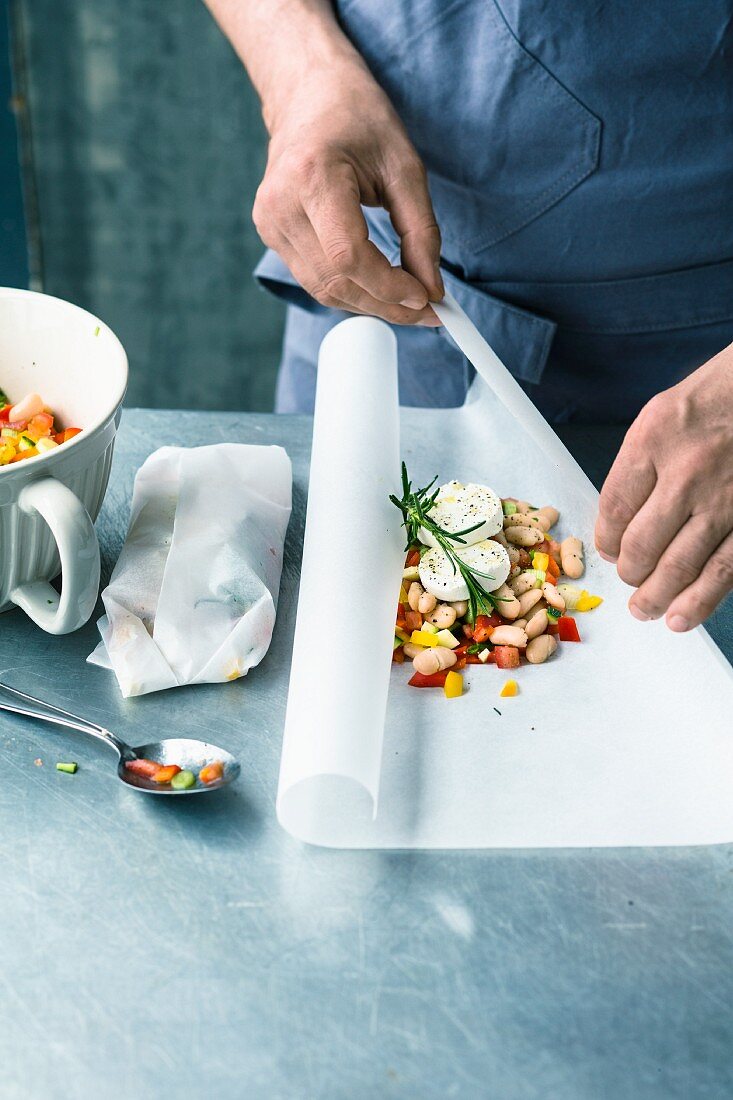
x=156 y=949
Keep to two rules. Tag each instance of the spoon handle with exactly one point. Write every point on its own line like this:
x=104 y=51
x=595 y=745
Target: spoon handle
x=59 y=717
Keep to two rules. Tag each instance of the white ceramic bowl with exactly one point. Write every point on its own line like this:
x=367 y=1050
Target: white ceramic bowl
x=48 y=503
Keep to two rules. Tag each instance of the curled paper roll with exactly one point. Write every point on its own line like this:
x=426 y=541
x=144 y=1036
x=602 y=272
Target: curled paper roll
x=624 y=739
x=334 y=726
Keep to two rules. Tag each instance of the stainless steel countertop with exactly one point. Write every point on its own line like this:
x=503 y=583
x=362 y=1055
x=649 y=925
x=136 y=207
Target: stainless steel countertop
x=168 y=948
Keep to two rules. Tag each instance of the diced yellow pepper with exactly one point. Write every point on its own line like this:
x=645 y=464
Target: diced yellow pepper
x=541 y=561
x=403 y=594
x=453 y=686
x=588 y=602
x=421 y=637
x=7 y=451
x=511 y=687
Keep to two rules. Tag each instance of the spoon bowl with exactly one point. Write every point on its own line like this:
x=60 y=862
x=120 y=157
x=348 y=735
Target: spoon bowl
x=189 y=754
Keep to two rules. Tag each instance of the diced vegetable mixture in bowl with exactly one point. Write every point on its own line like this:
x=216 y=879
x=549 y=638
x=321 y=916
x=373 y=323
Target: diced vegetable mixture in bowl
x=484 y=582
x=27 y=429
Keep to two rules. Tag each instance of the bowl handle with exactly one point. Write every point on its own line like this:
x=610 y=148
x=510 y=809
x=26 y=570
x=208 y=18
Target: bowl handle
x=78 y=548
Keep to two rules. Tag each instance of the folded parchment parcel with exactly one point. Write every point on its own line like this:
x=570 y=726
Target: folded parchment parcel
x=625 y=739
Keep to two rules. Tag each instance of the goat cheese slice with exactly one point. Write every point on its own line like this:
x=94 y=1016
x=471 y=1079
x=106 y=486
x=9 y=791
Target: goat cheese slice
x=458 y=507
x=437 y=574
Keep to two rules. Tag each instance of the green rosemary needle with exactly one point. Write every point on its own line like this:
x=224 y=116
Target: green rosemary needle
x=415 y=506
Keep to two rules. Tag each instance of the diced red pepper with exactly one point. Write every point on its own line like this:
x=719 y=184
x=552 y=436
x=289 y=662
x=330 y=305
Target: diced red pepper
x=434 y=680
x=552 y=628
x=460 y=663
x=66 y=434
x=484 y=625
x=5 y=412
x=567 y=629
x=165 y=773
x=506 y=656
x=412 y=559
x=141 y=766
x=211 y=772
x=413 y=620
x=398 y=655
x=553 y=570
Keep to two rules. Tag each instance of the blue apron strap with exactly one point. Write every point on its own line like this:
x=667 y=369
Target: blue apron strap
x=521 y=339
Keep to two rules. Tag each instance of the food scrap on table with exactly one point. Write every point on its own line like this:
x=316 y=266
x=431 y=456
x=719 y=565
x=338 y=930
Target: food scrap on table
x=70 y=767
x=482 y=584
x=27 y=429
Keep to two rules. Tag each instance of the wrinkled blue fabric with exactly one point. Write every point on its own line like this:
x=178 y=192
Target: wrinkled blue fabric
x=580 y=159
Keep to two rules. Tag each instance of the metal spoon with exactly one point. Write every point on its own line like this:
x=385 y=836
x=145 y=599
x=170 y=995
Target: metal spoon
x=186 y=752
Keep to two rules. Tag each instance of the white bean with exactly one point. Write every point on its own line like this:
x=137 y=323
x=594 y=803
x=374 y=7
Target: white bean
x=552 y=596
x=31 y=404
x=537 y=624
x=528 y=599
x=434 y=660
x=539 y=649
x=521 y=623
x=548 y=516
x=525 y=536
x=508 y=635
x=513 y=552
x=571 y=558
x=443 y=616
x=412 y=650
x=500 y=537
x=522 y=519
x=414 y=592
x=508 y=604
x=460 y=607
x=526 y=580
x=426 y=603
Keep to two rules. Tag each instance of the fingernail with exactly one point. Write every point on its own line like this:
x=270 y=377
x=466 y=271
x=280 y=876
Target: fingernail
x=639 y=614
x=607 y=557
x=413 y=303
x=678 y=623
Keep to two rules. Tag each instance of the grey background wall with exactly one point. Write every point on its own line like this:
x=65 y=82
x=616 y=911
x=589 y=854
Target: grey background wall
x=13 y=253
x=147 y=148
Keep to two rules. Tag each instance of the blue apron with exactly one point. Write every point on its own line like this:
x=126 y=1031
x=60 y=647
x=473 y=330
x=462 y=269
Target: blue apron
x=580 y=160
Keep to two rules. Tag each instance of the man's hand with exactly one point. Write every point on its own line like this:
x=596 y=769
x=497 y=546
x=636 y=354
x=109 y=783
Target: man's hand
x=336 y=142
x=341 y=144
x=666 y=509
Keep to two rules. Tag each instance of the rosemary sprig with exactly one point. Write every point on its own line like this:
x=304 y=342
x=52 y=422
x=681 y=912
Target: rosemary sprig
x=415 y=506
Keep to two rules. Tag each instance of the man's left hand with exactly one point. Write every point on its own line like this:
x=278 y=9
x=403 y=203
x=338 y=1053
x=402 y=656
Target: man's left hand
x=666 y=509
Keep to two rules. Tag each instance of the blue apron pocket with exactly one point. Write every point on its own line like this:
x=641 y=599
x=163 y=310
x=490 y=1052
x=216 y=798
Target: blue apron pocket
x=502 y=139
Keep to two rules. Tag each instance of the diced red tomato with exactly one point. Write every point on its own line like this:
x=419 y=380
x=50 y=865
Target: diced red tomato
x=525 y=561
x=5 y=412
x=413 y=620
x=401 y=623
x=434 y=680
x=146 y=768
x=40 y=424
x=412 y=559
x=506 y=656
x=467 y=630
x=398 y=655
x=543 y=548
x=552 y=628
x=567 y=629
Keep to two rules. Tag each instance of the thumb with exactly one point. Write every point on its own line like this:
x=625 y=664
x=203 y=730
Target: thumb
x=408 y=202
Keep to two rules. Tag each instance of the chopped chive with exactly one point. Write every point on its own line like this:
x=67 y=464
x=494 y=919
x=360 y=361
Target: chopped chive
x=508 y=507
x=96 y=331
x=70 y=767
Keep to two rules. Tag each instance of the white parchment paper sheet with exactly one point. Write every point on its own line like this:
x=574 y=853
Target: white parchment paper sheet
x=625 y=739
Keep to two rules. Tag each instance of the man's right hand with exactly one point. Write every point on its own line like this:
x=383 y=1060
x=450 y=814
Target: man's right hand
x=337 y=145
